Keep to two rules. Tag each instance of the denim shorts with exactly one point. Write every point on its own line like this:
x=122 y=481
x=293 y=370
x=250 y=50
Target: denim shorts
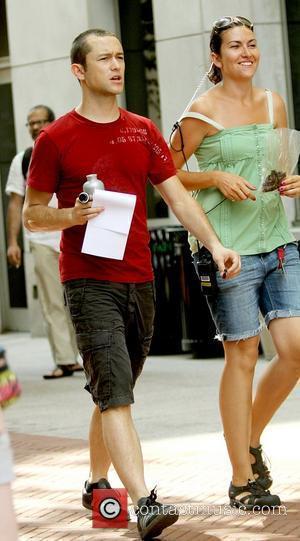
x=260 y=286
x=114 y=326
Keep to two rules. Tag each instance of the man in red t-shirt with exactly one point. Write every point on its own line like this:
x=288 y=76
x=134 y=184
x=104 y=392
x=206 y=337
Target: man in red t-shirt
x=111 y=301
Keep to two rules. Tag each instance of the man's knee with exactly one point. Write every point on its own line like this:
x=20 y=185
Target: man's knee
x=116 y=410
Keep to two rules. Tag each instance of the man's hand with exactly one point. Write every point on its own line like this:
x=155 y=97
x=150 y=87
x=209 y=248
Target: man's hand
x=38 y=216
x=82 y=213
x=234 y=187
x=228 y=262
x=14 y=255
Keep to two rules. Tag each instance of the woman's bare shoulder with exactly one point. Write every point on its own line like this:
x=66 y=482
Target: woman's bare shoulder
x=279 y=107
x=278 y=100
x=204 y=104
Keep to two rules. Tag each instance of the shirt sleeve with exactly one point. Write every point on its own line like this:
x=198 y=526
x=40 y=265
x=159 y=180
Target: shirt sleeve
x=43 y=174
x=161 y=166
x=15 y=180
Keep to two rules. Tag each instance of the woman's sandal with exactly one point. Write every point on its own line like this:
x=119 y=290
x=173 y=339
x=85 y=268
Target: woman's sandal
x=61 y=371
x=259 y=468
x=64 y=371
x=76 y=367
x=252 y=496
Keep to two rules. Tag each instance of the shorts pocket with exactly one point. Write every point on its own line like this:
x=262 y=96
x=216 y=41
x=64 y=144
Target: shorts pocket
x=94 y=340
x=94 y=348
x=146 y=343
x=292 y=252
x=74 y=298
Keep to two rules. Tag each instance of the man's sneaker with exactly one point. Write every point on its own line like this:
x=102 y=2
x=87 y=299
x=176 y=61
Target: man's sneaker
x=153 y=517
x=87 y=491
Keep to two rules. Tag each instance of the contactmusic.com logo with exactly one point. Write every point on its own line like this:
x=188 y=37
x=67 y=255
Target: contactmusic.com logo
x=110 y=509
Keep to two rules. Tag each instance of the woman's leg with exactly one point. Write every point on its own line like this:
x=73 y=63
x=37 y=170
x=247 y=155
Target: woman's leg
x=280 y=304
x=236 y=404
x=280 y=377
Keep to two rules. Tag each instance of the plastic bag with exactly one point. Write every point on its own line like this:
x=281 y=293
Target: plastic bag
x=280 y=159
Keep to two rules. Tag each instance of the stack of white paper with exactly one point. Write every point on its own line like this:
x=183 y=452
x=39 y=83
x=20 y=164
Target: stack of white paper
x=106 y=235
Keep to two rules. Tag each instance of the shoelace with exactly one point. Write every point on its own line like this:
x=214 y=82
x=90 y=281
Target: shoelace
x=153 y=495
x=263 y=459
x=266 y=462
x=150 y=500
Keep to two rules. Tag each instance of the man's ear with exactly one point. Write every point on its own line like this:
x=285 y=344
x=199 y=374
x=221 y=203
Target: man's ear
x=215 y=58
x=78 y=71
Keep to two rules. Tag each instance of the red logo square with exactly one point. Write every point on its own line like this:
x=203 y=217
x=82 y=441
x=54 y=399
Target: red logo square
x=110 y=508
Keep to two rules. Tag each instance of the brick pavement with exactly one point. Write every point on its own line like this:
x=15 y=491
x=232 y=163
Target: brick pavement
x=192 y=471
x=177 y=418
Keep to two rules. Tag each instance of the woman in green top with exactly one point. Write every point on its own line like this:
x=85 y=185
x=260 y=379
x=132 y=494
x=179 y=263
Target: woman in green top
x=226 y=129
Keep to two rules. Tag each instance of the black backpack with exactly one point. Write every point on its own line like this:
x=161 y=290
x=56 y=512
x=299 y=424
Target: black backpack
x=26 y=161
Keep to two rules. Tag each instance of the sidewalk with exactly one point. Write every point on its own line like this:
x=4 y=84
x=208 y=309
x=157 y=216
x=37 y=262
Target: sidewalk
x=176 y=414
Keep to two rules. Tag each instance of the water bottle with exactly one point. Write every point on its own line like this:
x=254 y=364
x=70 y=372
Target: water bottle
x=92 y=183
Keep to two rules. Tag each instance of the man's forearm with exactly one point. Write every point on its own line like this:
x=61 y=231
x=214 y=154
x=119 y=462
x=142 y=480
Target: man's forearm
x=188 y=212
x=38 y=216
x=43 y=218
x=192 y=217
x=14 y=216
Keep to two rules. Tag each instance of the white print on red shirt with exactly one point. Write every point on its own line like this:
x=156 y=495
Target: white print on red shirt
x=138 y=139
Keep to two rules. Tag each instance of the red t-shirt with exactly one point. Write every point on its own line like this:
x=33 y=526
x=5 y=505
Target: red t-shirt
x=124 y=154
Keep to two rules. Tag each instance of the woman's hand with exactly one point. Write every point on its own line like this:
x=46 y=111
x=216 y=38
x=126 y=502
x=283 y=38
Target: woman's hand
x=290 y=186
x=233 y=187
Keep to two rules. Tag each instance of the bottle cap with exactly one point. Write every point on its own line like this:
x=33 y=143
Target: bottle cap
x=92 y=183
x=84 y=197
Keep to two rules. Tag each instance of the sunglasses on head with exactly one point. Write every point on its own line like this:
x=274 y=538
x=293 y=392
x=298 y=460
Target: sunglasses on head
x=226 y=22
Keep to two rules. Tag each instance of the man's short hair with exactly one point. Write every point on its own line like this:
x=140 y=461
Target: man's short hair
x=80 y=46
x=49 y=112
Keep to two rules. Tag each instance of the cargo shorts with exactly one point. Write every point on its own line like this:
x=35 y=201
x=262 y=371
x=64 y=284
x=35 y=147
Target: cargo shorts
x=114 y=326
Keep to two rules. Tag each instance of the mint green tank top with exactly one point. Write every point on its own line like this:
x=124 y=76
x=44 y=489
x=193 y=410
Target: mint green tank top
x=249 y=227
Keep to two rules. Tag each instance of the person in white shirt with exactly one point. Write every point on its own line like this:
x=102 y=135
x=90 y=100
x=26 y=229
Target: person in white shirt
x=45 y=249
